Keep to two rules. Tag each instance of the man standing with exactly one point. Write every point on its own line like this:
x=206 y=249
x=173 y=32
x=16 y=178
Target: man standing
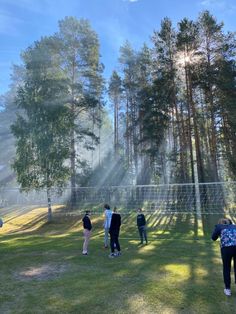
x=141 y=224
x=107 y=222
x=114 y=233
x=87 y=231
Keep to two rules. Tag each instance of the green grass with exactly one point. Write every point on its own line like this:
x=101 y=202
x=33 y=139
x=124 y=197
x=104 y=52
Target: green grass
x=42 y=269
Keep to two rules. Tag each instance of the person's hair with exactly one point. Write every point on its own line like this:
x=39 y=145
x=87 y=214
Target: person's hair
x=224 y=221
x=139 y=209
x=106 y=206
x=87 y=212
x=115 y=209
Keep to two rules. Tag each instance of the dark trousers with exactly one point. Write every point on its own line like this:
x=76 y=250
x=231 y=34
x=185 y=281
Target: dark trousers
x=114 y=241
x=228 y=253
x=142 y=233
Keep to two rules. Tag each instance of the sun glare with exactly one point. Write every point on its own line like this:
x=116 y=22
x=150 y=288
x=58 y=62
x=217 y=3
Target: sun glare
x=184 y=58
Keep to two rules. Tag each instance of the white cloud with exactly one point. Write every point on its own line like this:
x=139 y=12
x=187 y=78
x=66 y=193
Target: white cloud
x=24 y=4
x=130 y=0
x=114 y=32
x=41 y=6
x=226 y=6
x=9 y=24
x=210 y=3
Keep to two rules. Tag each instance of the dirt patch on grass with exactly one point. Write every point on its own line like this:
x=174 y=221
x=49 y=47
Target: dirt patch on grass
x=41 y=272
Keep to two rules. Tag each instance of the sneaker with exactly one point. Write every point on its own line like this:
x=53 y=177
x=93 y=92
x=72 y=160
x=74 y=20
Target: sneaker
x=227 y=292
x=112 y=255
x=85 y=253
x=118 y=254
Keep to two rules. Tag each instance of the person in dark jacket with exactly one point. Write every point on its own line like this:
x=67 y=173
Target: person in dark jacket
x=141 y=224
x=87 y=231
x=227 y=233
x=114 y=231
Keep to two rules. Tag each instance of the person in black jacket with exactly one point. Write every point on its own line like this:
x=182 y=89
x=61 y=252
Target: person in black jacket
x=114 y=231
x=141 y=224
x=87 y=231
x=227 y=233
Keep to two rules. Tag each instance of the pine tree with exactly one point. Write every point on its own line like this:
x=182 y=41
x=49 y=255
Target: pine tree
x=78 y=49
x=115 y=94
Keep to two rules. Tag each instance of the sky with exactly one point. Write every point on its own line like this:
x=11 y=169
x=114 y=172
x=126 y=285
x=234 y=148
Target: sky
x=24 y=21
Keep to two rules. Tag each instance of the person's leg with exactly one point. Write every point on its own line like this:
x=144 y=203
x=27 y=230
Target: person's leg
x=234 y=256
x=117 y=242
x=145 y=234
x=106 y=236
x=140 y=234
x=112 y=241
x=226 y=259
x=86 y=240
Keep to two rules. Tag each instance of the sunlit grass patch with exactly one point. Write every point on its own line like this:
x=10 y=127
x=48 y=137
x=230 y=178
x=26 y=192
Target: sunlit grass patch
x=43 y=270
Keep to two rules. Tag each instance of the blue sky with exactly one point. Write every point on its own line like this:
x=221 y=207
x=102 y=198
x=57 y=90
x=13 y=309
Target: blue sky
x=24 y=21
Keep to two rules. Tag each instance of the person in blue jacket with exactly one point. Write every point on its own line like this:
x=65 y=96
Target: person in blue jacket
x=227 y=233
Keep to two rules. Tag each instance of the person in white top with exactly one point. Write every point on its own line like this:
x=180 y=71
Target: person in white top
x=107 y=223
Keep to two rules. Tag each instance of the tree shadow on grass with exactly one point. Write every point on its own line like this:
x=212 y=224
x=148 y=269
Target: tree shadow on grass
x=177 y=274
x=179 y=271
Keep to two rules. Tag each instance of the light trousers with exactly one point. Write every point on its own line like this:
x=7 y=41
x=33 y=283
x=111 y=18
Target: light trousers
x=106 y=237
x=87 y=234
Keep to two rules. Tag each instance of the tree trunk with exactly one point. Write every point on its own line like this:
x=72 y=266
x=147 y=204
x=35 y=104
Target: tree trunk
x=49 y=205
x=189 y=125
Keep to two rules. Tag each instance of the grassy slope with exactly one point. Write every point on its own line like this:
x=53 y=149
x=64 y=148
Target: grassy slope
x=43 y=271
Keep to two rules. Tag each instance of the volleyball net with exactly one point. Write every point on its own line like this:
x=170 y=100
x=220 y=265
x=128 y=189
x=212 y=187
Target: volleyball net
x=208 y=198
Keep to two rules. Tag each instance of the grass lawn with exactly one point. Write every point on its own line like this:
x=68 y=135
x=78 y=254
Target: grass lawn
x=43 y=271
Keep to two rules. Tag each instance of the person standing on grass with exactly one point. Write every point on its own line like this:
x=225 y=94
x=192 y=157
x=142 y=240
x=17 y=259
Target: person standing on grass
x=107 y=222
x=114 y=231
x=141 y=224
x=227 y=233
x=87 y=231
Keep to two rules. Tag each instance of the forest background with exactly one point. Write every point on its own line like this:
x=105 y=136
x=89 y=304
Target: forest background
x=167 y=115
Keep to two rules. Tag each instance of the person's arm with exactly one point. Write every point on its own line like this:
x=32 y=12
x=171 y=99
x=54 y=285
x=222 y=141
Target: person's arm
x=87 y=223
x=112 y=223
x=216 y=233
x=119 y=220
x=144 y=220
x=105 y=218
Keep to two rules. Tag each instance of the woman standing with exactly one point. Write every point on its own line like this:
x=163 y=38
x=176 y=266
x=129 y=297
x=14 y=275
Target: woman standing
x=87 y=231
x=227 y=233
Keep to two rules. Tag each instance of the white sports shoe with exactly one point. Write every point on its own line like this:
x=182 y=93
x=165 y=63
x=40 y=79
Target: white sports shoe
x=227 y=292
